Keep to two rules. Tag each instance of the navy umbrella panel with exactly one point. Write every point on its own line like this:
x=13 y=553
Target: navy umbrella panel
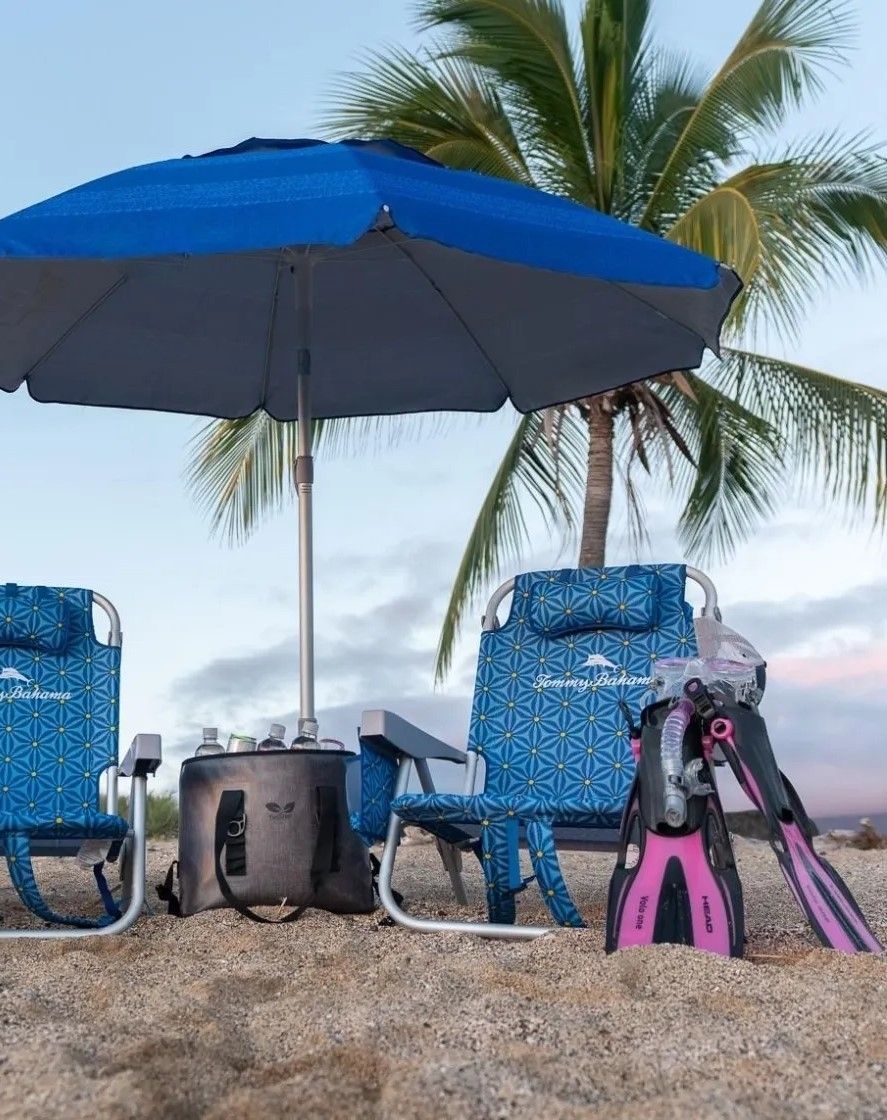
x=331 y=280
x=172 y=287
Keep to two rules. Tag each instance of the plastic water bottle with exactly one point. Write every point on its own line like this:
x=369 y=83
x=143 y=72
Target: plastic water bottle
x=241 y=744
x=306 y=740
x=275 y=741
x=210 y=744
x=330 y=745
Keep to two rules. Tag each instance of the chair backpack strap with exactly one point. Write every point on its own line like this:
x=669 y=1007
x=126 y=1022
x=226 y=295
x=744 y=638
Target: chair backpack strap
x=111 y=907
x=21 y=872
x=500 y=860
x=543 y=853
x=230 y=838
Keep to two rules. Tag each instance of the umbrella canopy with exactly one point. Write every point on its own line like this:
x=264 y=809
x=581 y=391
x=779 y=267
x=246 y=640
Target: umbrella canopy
x=329 y=280
x=173 y=287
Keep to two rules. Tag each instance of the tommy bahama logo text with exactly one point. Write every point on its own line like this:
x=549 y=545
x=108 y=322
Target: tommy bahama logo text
x=613 y=677
x=28 y=689
x=586 y=684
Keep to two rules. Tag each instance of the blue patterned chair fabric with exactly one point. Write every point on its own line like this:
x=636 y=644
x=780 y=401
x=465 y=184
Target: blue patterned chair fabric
x=547 y=717
x=378 y=775
x=59 y=698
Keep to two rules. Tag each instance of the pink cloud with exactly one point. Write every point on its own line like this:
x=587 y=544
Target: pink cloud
x=864 y=667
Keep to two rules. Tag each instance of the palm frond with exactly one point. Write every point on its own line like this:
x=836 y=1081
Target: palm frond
x=548 y=472
x=613 y=74
x=524 y=45
x=780 y=59
x=645 y=432
x=834 y=431
x=722 y=224
x=368 y=435
x=820 y=208
x=664 y=98
x=637 y=534
x=736 y=474
x=442 y=106
x=648 y=423
x=240 y=471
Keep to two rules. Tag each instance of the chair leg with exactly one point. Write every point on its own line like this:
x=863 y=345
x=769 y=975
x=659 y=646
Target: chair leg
x=111 y=787
x=434 y=925
x=136 y=902
x=450 y=856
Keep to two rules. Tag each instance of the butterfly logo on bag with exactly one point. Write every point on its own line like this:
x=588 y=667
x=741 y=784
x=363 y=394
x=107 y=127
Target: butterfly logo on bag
x=280 y=812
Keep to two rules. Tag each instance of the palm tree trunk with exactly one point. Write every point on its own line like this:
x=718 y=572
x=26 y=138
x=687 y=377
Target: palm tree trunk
x=599 y=482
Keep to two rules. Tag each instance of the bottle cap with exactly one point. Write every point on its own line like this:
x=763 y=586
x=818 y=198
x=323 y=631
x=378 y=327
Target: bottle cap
x=308 y=727
x=277 y=731
x=210 y=732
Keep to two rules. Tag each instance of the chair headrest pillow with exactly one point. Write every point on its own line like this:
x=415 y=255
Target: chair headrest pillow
x=592 y=599
x=33 y=618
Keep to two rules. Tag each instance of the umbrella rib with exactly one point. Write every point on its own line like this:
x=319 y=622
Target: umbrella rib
x=712 y=345
x=399 y=244
x=106 y=295
x=269 y=342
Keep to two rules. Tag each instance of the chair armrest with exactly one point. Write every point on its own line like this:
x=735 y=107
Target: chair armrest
x=387 y=730
x=142 y=758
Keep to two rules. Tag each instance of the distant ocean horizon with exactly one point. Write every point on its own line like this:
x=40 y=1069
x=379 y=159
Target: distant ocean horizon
x=851 y=820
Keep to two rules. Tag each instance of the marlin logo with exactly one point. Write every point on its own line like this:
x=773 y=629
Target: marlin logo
x=25 y=688
x=613 y=675
x=10 y=674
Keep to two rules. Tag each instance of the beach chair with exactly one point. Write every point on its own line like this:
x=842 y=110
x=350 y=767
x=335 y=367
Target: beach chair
x=385 y=741
x=59 y=720
x=559 y=685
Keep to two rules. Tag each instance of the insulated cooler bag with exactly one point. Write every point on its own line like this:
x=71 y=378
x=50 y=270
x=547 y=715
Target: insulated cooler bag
x=268 y=829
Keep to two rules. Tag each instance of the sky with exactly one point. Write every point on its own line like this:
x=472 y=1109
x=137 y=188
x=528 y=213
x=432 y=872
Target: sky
x=96 y=497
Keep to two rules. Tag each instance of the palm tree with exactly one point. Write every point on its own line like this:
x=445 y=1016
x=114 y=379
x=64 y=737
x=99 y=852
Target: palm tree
x=603 y=115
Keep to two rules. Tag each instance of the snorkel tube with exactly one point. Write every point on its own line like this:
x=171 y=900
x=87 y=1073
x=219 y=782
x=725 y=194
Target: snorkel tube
x=672 y=754
x=733 y=678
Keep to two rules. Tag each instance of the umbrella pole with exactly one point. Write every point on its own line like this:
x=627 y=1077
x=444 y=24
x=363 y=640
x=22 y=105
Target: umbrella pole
x=304 y=474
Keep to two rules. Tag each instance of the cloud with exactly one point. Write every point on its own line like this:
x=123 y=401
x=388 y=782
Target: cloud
x=825 y=706
x=369 y=651
x=253 y=674
x=445 y=717
x=830 y=743
x=855 y=617
x=854 y=672
x=380 y=655
x=825 y=713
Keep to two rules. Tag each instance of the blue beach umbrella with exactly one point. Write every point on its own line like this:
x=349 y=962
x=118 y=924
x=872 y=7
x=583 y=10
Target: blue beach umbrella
x=328 y=280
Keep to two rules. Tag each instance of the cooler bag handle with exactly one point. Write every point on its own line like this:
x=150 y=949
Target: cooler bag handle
x=231 y=838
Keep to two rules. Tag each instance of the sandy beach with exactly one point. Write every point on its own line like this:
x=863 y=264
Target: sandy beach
x=216 y=1017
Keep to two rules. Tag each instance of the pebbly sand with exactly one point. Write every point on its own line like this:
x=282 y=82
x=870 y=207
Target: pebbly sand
x=348 y=1017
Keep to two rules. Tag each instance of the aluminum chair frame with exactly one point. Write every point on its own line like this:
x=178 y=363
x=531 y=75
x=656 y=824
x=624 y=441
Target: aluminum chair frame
x=141 y=760
x=402 y=738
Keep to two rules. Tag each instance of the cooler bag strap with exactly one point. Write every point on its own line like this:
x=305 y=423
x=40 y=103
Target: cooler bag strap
x=375 y=868
x=326 y=848
x=166 y=894
x=231 y=827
